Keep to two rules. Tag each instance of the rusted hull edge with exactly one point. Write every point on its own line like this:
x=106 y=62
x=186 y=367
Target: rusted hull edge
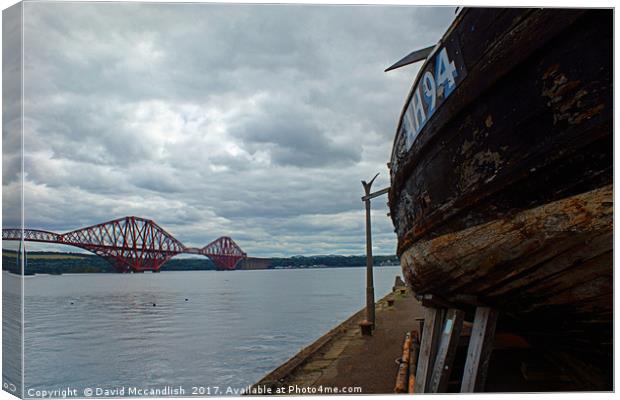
x=548 y=261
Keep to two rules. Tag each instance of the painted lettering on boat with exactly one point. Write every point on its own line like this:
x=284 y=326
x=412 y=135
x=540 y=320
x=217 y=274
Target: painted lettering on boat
x=435 y=83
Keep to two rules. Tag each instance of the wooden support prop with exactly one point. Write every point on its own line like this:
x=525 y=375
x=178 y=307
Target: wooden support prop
x=421 y=324
x=413 y=360
x=433 y=318
x=447 y=350
x=479 y=350
x=403 y=368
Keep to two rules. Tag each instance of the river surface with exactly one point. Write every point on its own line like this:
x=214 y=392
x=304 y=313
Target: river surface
x=190 y=329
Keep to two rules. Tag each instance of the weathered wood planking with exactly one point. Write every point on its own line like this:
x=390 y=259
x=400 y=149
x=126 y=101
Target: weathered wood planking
x=502 y=193
x=448 y=264
x=550 y=266
x=449 y=339
x=551 y=140
x=433 y=318
x=479 y=350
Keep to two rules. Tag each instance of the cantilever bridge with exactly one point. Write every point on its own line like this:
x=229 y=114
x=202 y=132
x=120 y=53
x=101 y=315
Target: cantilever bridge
x=133 y=244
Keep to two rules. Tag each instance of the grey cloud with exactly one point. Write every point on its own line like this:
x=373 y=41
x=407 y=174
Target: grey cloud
x=253 y=121
x=294 y=138
x=11 y=94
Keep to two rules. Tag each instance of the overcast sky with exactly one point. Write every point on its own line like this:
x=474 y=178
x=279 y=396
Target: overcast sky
x=254 y=121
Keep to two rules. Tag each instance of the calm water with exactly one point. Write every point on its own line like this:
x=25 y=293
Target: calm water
x=102 y=330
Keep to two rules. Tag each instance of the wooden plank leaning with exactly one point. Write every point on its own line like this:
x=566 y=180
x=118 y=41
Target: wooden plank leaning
x=479 y=350
x=433 y=318
x=450 y=334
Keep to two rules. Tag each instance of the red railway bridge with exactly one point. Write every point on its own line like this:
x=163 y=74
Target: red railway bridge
x=133 y=244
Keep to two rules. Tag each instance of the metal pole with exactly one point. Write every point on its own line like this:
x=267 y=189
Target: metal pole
x=370 y=290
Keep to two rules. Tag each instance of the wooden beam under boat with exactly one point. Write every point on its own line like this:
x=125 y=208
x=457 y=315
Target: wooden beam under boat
x=551 y=263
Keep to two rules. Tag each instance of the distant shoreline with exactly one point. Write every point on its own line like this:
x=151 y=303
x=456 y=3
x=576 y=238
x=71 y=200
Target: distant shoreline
x=202 y=270
x=56 y=263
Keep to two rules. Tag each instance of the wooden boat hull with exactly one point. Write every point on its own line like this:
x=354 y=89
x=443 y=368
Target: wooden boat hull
x=555 y=255
x=538 y=132
x=501 y=178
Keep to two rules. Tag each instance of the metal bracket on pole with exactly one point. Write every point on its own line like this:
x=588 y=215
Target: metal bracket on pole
x=376 y=194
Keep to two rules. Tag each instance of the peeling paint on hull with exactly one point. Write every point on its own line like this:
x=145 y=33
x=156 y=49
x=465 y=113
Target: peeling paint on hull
x=529 y=124
x=505 y=195
x=522 y=262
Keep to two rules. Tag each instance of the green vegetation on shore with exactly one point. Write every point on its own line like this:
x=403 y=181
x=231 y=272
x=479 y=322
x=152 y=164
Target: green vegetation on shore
x=65 y=263
x=330 y=261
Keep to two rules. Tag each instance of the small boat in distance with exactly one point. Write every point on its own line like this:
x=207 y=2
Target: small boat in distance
x=502 y=176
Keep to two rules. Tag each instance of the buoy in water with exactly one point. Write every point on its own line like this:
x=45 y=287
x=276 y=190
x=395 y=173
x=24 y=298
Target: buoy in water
x=154 y=304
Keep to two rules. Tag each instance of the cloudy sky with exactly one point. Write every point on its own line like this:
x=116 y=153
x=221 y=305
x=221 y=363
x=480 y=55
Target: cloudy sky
x=254 y=121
